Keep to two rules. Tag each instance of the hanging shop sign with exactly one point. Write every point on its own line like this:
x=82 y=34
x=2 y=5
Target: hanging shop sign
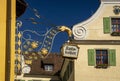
x=70 y=51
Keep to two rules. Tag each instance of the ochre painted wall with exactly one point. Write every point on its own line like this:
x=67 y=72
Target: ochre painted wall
x=12 y=46
x=6 y=21
x=2 y=38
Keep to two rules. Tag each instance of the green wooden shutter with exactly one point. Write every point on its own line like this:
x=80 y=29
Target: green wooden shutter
x=112 y=57
x=91 y=57
x=106 y=24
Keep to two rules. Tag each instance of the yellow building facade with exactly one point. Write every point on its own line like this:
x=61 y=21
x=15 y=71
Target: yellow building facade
x=98 y=39
x=7 y=39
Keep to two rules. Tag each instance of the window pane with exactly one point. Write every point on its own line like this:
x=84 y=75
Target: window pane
x=115 y=23
x=48 y=67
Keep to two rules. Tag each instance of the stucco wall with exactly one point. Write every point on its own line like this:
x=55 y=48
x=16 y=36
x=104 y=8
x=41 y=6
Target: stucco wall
x=83 y=72
x=94 y=25
x=92 y=29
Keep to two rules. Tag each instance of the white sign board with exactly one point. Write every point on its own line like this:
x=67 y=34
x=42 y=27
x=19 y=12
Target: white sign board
x=70 y=51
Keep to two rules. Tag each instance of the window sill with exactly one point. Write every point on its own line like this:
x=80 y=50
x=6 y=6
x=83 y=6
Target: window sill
x=101 y=66
x=115 y=33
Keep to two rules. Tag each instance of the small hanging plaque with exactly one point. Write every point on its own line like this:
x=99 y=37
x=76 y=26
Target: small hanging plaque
x=70 y=51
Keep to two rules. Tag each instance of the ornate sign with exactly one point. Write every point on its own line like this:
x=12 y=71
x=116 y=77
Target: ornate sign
x=33 y=45
x=70 y=51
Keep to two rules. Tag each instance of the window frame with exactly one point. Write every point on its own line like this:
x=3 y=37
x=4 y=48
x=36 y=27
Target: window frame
x=111 y=32
x=102 y=65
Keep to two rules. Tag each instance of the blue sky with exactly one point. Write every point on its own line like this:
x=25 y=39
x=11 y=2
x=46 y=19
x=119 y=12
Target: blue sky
x=57 y=12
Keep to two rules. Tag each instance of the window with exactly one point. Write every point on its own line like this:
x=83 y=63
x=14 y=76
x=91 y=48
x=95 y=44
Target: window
x=111 y=25
x=48 y=67
x=115 y=23
x=101 y=58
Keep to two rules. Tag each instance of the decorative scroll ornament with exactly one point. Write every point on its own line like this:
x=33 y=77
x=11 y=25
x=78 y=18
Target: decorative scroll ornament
x=42 y=45
x=39 y=44
x=31 y=45
x=18 y=23
x=79 y=32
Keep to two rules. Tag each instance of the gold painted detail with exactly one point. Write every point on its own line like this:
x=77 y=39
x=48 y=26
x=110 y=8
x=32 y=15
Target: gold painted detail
x=65 y=28
x=19 y=35
x=44 y=51
x=17 y=63
x=19 y=42
x=28 y=61
x=19 y=67
x=19 y=50
x=34 y=44
x=28 y=42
